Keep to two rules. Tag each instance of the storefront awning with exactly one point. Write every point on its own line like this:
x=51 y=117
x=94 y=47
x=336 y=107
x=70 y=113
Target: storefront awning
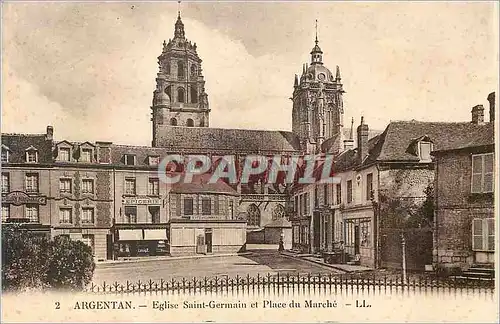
x=155 y=234
x=130 y=235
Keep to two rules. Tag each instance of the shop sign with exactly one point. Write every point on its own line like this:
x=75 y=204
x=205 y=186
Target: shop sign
x=21 y=198
x=141 y=201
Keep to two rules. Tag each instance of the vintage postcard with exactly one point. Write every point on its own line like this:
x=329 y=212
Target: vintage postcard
x=249 y=161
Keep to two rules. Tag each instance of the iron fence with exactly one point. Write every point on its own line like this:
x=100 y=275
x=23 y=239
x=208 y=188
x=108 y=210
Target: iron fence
x=295 y=282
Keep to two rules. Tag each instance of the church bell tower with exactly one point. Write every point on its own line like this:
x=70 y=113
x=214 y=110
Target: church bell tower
x=317 y=115
x=179 y=98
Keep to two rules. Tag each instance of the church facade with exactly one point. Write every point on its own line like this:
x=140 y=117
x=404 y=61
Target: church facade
x=109 y=195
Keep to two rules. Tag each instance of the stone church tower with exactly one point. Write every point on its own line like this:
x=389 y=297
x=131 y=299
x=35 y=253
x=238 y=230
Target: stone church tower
x=180 y=98
x=317 y=115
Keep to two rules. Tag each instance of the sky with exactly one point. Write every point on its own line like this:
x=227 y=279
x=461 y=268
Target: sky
x=88 y=69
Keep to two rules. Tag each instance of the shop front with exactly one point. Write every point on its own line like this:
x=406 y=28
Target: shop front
x=190 y=237
x=136 y=240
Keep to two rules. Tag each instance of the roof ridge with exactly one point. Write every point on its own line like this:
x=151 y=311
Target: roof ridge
x=24 y=134
x=414 y=121
x=232 y=129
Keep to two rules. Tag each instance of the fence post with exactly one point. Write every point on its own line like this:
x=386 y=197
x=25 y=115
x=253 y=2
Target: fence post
x=403 y=245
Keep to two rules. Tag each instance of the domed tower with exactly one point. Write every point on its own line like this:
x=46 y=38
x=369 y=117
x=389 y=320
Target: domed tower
x=179 y=98
x=317 y=115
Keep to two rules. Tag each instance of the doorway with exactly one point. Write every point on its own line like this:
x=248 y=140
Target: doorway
x=208 y=239
x=316 y=232
x=356 y=240
x=109 y=246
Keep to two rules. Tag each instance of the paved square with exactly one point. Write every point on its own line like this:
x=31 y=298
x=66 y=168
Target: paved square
x=259 y=262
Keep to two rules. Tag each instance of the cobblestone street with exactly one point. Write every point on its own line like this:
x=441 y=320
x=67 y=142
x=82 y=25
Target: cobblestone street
x=259 y=262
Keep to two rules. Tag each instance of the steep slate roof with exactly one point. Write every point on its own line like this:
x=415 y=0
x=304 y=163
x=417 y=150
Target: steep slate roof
x=327 y=145
x=200 y=184
x=18 y=143
x=480 y=135
x=394 y=141
x=141 y=154
x=231 y=140
x=393 y=144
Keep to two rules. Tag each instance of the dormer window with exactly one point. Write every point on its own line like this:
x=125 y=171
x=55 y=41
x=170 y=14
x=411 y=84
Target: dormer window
x=424 y=151
x=31 y=155
x=64 y=154
x=129 y=159
x=86 y=155
x=421 y=148
x=5 y=154
x=153 y=160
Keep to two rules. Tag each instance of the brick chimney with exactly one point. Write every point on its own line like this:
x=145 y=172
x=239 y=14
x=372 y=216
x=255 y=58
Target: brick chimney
x=49 y=136
x=491 y=99
x=478 y=115
x=362 y=132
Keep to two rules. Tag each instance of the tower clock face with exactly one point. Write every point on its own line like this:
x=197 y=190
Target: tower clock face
x=321 y=76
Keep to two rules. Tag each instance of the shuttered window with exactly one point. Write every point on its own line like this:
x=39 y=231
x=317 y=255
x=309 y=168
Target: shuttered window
x=349 y=191
x=308 y=206
x=482 y=173
x=188 y=206
x=483 y=234
x=216 y=205
x=206 y=206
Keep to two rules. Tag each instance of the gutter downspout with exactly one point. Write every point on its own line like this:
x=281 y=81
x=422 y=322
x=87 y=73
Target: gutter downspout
x=377 y=221
x=435 y=222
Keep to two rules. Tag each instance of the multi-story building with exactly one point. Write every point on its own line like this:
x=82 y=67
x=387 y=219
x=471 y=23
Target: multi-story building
x=26 y=172
x=377 y=204
x=204 y=218
x=60 y=187
x=108 y=195
x=464 y=225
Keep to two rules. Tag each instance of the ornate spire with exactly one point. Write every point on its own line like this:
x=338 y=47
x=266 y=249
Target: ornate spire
x=316 y=53
x=352 y=129
x=316 y=41
x=337 y=74
x=179 y=27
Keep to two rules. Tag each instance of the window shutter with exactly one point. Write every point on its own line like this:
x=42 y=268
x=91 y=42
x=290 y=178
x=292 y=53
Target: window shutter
x=488 y=172
x=178 y=204
x=307 y=203
x=216 y=205
x=477 y=168
x=477 y=234
x=490 y=224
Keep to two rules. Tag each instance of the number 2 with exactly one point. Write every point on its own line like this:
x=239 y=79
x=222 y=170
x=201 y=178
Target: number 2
x=58 y=305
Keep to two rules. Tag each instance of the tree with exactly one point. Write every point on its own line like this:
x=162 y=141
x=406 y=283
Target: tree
x=31 y=261
x=25 y=258
x=71 y=264
x=424 y=217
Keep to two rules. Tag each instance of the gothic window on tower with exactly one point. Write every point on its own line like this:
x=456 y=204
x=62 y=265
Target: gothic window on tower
x=180 y=70
x=181 y=95
x=193 y=70
x=173 y=121
x=167 y=68
x=190 y=122
x=194 y=94
x=168 y=91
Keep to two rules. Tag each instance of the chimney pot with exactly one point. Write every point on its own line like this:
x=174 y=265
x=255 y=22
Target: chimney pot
x=50 y=133
x=478 y=115
x=491 y=100
x=362 y=139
